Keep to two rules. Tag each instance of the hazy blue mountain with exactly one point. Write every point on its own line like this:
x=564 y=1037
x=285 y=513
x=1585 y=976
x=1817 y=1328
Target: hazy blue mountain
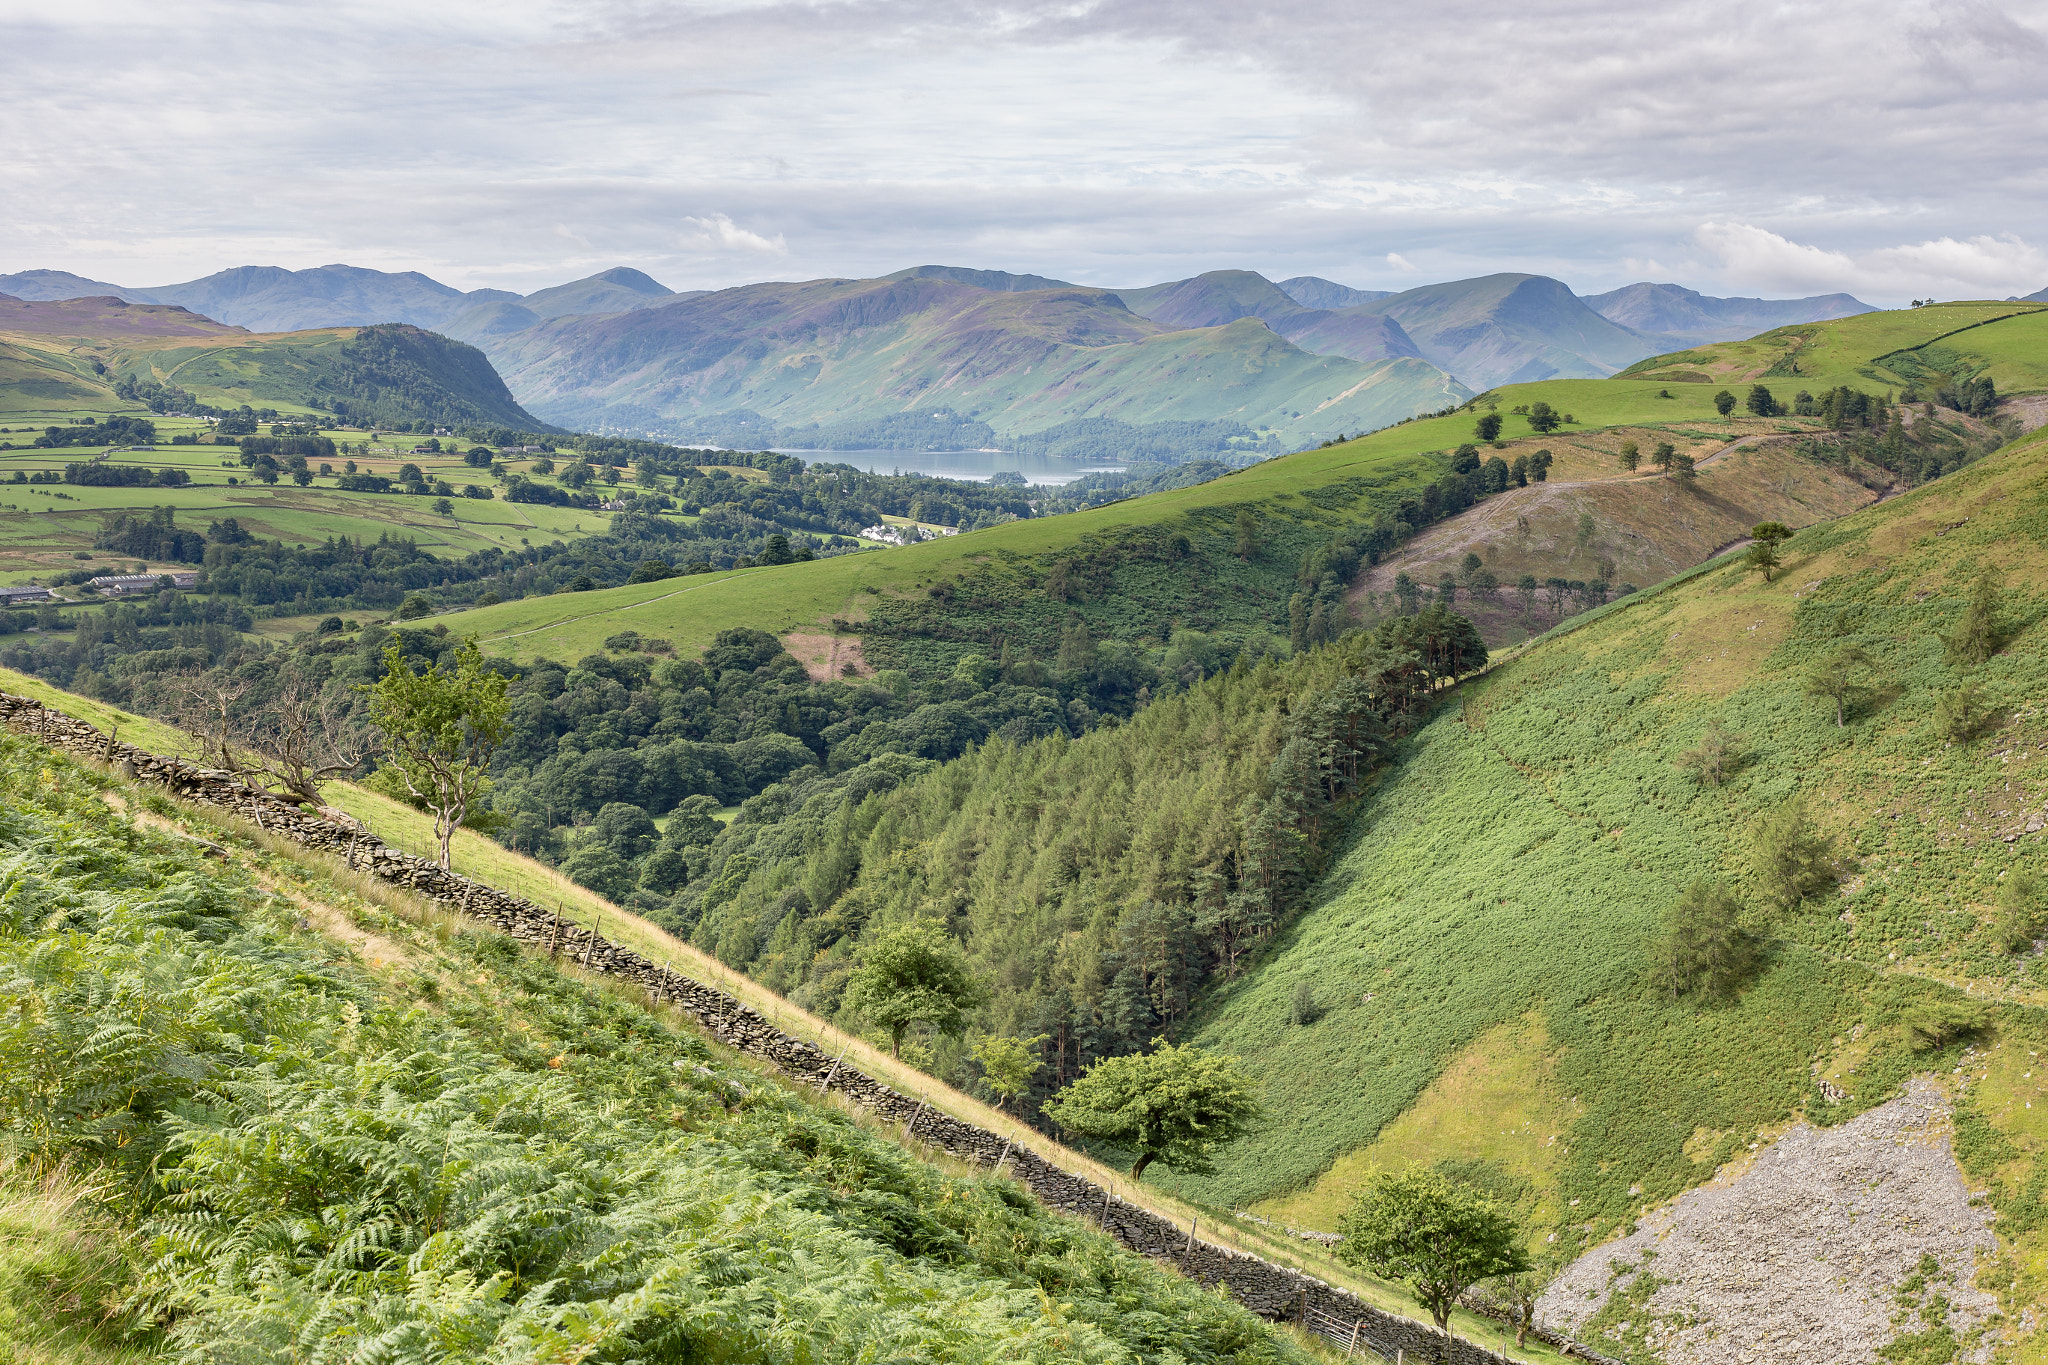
x=268 y=298
x=1686 y=316
x=2040 y=297
x=1224 y=296
x=1313 y=291
x=999 y=280
x=617 y=290
x=1511 y=329
x=45 y=285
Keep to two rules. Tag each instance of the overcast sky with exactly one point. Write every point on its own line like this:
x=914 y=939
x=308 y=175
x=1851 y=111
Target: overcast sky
x=1891 y=149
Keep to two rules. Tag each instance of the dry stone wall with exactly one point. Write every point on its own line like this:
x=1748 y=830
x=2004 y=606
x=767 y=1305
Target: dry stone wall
x=1271 y=1290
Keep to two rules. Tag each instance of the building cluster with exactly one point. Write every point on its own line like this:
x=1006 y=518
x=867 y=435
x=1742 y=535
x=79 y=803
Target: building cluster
x=131 y=584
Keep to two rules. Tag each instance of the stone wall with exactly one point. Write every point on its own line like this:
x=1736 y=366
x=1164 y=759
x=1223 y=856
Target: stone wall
x=1271 y=1290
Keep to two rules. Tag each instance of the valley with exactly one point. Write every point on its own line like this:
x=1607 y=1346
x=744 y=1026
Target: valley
x=1377 y=764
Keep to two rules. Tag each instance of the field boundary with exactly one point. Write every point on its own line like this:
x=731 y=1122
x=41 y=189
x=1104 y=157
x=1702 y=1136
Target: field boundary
x=1273 y=1291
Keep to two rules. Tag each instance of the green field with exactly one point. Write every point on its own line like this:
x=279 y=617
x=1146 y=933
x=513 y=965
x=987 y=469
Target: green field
x=1388 y=463
x=42 y=525
x=1821 y=355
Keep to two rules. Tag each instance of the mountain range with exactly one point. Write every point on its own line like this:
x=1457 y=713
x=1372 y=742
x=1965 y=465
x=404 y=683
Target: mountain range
x=1300 y=360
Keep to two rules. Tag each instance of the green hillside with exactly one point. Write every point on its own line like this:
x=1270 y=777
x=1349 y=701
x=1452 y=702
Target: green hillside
x=76 y=351
x=840 y=350
x=269 y=1106
x=1300 y=501
x=1872 y=351
x=1510 y=872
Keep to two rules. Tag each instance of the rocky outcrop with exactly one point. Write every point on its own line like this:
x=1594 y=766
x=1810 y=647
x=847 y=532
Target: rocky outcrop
x=1271 y=1290
x=1806 y=1254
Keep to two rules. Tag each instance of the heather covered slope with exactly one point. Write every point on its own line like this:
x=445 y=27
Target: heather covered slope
x=836 y=350
x=1490 y=928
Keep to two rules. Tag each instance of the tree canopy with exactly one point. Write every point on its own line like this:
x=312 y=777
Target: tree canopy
x=914 y=974
x=1437 y=1237
x=1174 y=1104
x=440 y=727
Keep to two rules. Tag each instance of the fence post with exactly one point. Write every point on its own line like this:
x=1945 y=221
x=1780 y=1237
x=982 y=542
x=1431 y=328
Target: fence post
x=1357 y=1326
x=1193 y=1223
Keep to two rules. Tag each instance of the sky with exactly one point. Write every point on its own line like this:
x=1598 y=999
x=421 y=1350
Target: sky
x=1888 y=148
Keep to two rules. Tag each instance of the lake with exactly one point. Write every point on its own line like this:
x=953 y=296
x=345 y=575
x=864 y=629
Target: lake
x=977 y=465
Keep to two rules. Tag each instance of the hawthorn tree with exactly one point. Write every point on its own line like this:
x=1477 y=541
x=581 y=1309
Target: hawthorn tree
x=1174 y=1104
x=1488 y=427
x=1839 y=678
x=915 y=974
x=1768 y=535
x=440 y=728
x=1724 y=402
x=1437 y=1237
x=1543 y=418
x=1007 y=1064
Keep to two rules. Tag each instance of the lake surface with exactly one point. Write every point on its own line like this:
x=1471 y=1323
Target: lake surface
x=977 y=465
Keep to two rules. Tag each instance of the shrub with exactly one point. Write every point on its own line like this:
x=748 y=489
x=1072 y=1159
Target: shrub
x=1790 y=859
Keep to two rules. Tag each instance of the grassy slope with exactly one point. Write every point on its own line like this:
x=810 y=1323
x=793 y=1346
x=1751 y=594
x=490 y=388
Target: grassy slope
x=1396 y=460
x=1841 y=352
x=776 y=1177
x=803 y=596
x=476 y=856
x=1517 y=860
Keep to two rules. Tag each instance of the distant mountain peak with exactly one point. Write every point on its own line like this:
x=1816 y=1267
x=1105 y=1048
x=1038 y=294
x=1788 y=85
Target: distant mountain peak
x=1313 y=291
x=1001 y=281
x=1674 y=314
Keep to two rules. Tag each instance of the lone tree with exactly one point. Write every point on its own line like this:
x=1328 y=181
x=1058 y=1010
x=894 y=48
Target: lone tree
x=1715 y=758
x=1007 y=1064
x=1630 y=456
x=1761 y=402
x=1705 y=950
x=440 y=728
x=1247 y=534
x=1791 y=859
x=1724 y=402
x=1543 y=418
x=1662 y=454
x=1488 y=427
x=1839 y=678
x=1175 y=1104
x=1768 y=535
x=1437 y=1237
x=914 y=974
x=1979 y=634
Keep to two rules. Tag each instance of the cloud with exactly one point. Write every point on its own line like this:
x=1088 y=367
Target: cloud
x=1110 y=141
x=720 y=233
x=1945 y=267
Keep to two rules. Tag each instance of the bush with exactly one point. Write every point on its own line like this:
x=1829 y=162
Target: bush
x=1705 y=950
x=1790 y=860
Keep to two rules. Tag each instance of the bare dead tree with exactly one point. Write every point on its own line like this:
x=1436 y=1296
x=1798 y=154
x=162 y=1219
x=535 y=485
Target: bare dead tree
x=209 y=706
x=300 y=736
